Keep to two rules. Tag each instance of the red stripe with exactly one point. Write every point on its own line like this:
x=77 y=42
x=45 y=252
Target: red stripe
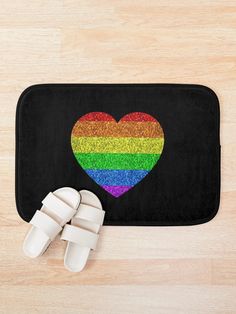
x=138 y=117
x=97 y=116
x=103 y=116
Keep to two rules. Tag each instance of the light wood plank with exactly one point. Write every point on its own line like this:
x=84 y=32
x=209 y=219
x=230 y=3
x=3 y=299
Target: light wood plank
x=120 y=299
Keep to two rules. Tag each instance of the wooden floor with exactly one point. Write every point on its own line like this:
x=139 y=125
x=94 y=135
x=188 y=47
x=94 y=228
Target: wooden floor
x=136 y=269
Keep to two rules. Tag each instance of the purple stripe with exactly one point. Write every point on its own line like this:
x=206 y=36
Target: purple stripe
x=116 y=190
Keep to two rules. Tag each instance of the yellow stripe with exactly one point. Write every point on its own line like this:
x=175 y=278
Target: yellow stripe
x=117 y=145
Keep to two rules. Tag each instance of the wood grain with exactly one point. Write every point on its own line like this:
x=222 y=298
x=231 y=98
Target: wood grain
x=136 y=269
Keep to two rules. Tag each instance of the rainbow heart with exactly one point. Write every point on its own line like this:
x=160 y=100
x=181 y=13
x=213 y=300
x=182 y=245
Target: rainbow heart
x=117 y=155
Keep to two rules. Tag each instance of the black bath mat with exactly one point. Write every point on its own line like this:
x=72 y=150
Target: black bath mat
x=150 y=152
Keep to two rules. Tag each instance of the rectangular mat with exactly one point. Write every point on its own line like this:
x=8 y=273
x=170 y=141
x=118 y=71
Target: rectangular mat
x=150 y=152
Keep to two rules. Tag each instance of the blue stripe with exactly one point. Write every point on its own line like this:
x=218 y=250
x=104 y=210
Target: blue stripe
x=117 y=177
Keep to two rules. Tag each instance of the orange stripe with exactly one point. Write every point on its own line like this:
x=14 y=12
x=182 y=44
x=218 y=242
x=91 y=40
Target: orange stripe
x=114 y=129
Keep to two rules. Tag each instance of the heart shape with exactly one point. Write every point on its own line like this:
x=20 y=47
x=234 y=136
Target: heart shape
x=117 y=155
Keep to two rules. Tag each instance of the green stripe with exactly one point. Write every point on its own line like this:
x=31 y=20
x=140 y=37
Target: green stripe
x=117 y=161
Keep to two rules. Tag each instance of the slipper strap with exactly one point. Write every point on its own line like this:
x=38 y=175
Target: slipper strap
x=58 y=207
x=80 y=236
x=90 y=213
x=45 y=223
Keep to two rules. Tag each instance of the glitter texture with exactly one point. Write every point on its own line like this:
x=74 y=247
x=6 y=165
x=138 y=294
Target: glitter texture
x=117 y=145
x=117 y=155
x=113 y=129
x=117 y=177
x=117 y=161
x=116 y=190
x=138 y=116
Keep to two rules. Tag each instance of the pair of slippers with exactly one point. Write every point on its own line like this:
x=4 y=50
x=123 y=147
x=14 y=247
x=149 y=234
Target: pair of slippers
x=83 y=209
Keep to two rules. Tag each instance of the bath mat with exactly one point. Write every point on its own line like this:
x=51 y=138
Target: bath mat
x=151 y=152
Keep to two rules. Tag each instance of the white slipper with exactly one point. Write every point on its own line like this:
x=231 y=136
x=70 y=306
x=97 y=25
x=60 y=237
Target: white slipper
x=82 y=234
x=58 y=208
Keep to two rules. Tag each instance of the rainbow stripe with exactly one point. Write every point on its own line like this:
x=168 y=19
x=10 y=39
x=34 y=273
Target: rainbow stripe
x=117 y=155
